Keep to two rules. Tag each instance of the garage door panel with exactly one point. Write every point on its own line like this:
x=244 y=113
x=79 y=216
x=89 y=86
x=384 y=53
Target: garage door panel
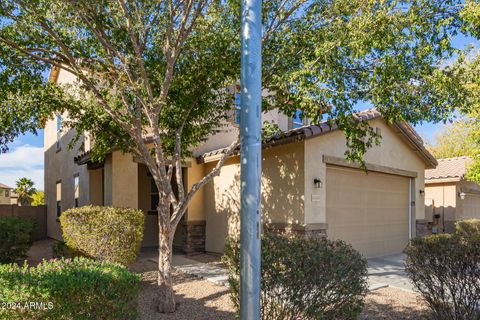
x=370 y=211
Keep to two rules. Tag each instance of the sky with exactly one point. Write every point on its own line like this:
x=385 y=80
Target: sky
x=25 y=157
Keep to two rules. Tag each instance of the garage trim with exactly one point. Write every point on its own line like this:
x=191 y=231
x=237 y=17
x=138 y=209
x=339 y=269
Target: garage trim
x=370 y=167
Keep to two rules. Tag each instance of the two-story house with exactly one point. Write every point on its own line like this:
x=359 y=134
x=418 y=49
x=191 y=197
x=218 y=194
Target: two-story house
x=5 y=192
x=307 y=185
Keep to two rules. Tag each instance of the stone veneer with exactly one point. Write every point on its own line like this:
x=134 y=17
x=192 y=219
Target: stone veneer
x=194 y=237
x=423 y=228
x=315 y=230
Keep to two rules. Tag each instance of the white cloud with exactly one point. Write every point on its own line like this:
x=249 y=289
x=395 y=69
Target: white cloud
x=23 y=161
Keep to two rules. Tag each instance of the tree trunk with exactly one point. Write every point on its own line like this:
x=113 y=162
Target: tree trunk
x=166 y=302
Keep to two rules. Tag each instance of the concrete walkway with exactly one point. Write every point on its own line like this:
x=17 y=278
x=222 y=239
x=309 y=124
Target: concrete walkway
x=390 y=271
x=202 y=270
x=387 y=271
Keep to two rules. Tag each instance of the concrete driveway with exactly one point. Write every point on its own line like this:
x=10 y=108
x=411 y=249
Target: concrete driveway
x=388 y=270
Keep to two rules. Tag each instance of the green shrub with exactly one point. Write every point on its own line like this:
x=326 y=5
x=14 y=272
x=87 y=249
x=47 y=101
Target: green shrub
x=104 y=233
x=60 y=250
x=15 y=238
x=445 y=269
x=304 y=278
x=468 y=227
x=77 y=289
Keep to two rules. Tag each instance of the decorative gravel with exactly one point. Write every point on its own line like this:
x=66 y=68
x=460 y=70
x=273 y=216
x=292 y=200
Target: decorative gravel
x=202 y=300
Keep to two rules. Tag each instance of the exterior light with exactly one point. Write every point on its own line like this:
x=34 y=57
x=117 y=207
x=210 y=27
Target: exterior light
x=462 y=195
x=318 y=183
x=422 y=192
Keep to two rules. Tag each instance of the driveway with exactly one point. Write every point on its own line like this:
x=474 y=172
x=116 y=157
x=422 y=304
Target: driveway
x=389 y=270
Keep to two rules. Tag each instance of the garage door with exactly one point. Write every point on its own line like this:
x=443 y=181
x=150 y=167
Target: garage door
x=370 y=211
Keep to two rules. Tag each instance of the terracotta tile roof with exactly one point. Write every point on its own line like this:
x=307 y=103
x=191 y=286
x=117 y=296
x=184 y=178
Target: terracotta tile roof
x=4 y=186
x=310 y=131
x=450 y=168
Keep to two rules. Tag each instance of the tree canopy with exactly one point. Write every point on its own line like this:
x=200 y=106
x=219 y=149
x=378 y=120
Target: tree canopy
x=153 y=76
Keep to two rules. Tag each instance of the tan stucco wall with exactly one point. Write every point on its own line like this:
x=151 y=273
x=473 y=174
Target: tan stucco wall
x=96 y=186
x=3 y=198
x=468 y=208
x=60 y=166
x=124 y=180
x=282 y=193
x=393 y=152
x=195 y=172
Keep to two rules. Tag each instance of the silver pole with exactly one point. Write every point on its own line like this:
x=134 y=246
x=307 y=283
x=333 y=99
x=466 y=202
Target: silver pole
x=250 y=159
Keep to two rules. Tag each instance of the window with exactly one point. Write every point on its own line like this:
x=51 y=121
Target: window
x=154 y=195
x=238 y=107
x=76 y=179
x=1 y=192
x=297 y=120
x=7 y=193
x=59 y=198
x=59 y=130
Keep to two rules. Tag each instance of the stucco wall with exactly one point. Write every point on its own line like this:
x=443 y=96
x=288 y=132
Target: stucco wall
x=282 y=193
x=445 y=202
x=60 y=166
x=195 y=173
x=124 y=180
x=469 y=207
x=393 y=152
x=3 y=198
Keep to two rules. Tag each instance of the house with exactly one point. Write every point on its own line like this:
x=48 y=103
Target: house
x=449 y=197
x=307 y=185
x=5 y=192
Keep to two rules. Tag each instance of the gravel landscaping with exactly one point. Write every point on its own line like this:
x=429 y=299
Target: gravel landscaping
x=201 y=300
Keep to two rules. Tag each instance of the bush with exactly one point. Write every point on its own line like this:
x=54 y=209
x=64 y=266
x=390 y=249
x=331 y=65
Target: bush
x=60 y=250
x=15 y=238
x=468 y=227
x=304 y=278
x=103 y=233
x=445 y=269
x=77 y=289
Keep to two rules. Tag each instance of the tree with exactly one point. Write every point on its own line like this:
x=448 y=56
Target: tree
x=152 y=75
x=25 y=191
x=455 y=140
x=38 y=198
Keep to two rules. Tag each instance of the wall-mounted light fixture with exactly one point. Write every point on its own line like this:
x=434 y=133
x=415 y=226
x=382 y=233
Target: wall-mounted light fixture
x=318 y=183
x=462 y=195
x=422 y=192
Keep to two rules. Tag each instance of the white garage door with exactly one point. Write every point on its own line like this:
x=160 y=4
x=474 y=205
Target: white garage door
x=370 y=211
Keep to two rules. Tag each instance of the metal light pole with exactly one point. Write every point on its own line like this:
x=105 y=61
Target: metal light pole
x=250 y=159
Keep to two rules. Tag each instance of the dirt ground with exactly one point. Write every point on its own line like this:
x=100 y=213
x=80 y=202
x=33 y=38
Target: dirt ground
x=201 y=300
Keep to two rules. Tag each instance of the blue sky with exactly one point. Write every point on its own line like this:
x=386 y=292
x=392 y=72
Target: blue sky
x=25 y=158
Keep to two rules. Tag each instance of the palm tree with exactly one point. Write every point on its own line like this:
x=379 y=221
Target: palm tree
x=25 y=191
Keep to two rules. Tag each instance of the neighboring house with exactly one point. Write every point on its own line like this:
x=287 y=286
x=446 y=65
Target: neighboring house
x=13 y=198
x=307 y=186
x=5 y=192
x=448 y=196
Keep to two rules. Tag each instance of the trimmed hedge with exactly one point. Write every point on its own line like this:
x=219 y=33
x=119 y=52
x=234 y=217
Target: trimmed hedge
x=104 y=233
x=468 y=227
x=304 y=278
x=15 y=238
x=77 y=289
x=445 y=269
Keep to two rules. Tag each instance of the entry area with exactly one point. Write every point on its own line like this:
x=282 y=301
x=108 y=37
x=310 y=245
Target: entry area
x=368 y=210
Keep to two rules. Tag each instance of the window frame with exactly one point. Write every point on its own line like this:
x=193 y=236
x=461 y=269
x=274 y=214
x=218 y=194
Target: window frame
x=76 y=189
x=58 y=198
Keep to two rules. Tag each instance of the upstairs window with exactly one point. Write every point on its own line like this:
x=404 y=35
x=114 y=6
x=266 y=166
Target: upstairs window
x=7 y=193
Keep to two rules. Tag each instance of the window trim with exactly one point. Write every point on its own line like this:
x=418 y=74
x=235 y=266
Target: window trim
x=58 y=203
x=75 y=196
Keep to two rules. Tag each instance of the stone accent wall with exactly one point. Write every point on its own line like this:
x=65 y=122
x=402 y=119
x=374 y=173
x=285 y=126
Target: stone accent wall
x=313 y=231
x=194 y=237
x=423 y=228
